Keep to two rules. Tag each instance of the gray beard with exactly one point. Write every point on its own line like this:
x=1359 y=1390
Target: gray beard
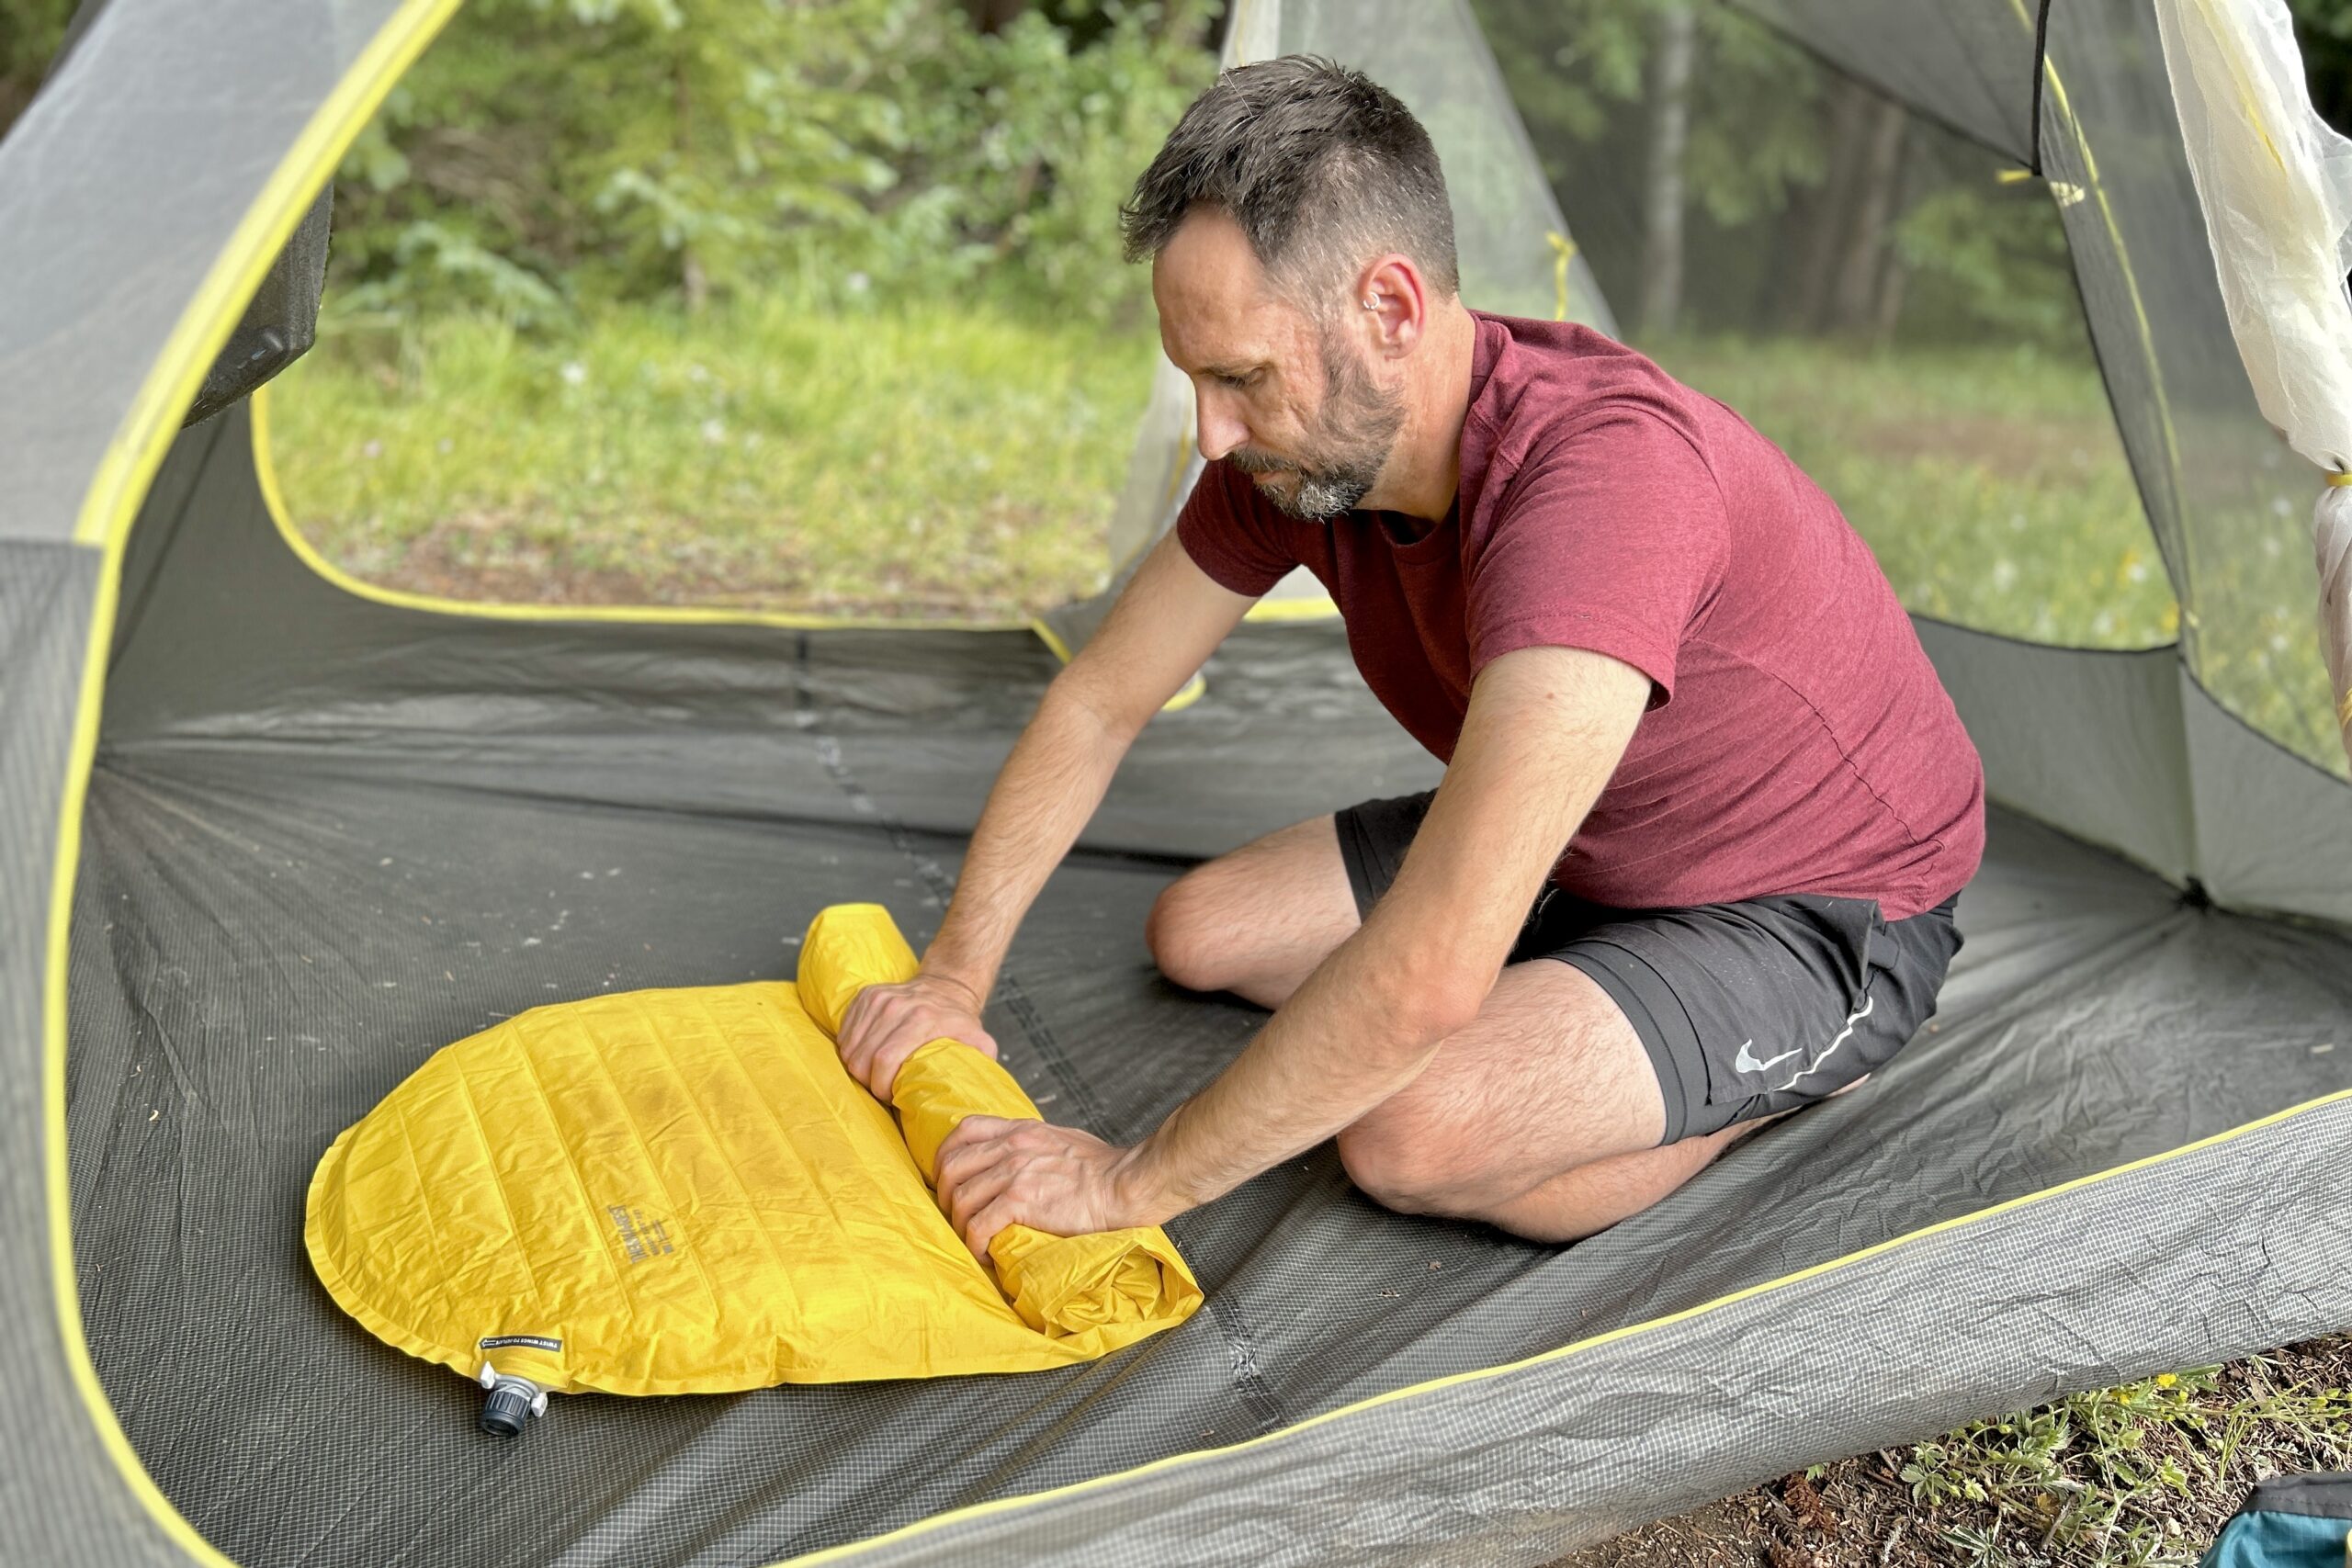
x=1333 y=480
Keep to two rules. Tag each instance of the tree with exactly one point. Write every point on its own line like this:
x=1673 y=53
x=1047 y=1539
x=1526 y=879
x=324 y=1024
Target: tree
x=551 y=153
x=1669 y=90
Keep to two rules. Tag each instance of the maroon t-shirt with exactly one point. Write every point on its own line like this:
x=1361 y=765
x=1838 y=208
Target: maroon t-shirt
x=1797 y=739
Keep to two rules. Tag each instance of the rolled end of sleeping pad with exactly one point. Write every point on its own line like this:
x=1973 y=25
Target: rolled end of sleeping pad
x=848 y=948
x=1116 y=1283
x=1103 y=1289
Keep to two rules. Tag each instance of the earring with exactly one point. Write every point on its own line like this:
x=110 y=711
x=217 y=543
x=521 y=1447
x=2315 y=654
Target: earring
x=1371 y=304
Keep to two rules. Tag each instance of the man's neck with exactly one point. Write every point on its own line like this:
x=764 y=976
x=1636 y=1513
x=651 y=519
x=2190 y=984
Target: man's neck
x=1424 y=469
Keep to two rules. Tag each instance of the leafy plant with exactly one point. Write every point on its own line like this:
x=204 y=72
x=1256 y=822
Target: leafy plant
x=846 y=151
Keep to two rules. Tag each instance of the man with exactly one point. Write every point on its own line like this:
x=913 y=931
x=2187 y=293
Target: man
x=1706 y=807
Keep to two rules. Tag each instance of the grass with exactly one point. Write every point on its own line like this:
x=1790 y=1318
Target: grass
x=1989 y=482
x=951 y=461
x=2139 y=1475
x=955 y=460
x=941 y=462
x=1991 y=486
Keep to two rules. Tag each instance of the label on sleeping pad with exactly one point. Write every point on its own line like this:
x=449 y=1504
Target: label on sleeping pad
x=534 y=1341
x=641 y=1238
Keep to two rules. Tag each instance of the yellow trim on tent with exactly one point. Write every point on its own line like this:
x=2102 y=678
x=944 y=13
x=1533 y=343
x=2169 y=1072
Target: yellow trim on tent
x=195 y=340
x=109 y=509
x=2064 y=107
x=1564 y=251
x=1958 y=1221
x=1317 y=608
x=274 y=499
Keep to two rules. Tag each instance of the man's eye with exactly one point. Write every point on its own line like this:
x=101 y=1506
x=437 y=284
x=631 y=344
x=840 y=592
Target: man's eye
x=1243 y=383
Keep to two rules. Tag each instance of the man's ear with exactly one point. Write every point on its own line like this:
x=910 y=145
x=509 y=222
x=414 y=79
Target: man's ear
x=1392 y=298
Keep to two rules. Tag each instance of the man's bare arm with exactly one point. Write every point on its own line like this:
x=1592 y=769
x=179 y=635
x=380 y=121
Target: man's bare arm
x=1167 y=622
x=1544 y=730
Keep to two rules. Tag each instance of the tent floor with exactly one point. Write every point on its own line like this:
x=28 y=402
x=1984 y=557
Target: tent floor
x=271 y=932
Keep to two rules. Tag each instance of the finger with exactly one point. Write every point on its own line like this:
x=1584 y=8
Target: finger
x=992 y=1126
x=968 y=1198
x=961 y=1158
x=882 y=1068
x=985 y=1226
x=880 y=1056
x=857 y=1056
x=857 y=1025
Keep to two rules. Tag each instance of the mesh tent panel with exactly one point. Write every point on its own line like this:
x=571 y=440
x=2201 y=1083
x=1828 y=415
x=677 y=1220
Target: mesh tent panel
x=1969 y=64
x=1969 y=441
x=2230 y=503
x=2227 y=502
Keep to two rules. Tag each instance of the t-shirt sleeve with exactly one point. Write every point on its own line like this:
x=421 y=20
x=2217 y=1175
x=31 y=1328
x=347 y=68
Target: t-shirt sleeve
x=1231 y=534
x=1613 y=539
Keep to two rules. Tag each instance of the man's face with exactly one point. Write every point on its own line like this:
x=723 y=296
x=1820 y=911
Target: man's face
x=1290 y=400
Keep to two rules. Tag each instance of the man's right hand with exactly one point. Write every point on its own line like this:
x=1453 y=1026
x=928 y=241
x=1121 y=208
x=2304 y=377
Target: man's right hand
x=886 y=1024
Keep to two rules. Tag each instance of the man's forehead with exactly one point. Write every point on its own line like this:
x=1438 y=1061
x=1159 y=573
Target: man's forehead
x=1219 y=312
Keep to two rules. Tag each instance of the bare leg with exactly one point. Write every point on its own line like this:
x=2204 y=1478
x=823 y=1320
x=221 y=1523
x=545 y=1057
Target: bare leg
x=1258 y=920
x=1542 y=1117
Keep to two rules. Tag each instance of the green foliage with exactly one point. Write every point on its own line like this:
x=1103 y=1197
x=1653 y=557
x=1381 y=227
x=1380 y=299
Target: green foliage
x=30 y=31
x=1758 y=169
x=948 y=458
x=1984 y=255
x=1988 y=481
x=547 y=156
x=2101 y=1480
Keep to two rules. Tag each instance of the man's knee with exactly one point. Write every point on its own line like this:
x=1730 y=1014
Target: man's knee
x=1186 y=936
x=1400 y=1167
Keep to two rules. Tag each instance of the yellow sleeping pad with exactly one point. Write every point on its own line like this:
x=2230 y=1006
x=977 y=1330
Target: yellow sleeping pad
x=683 y=1192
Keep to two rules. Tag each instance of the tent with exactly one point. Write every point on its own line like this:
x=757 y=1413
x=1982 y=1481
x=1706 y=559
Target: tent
x=268 y=837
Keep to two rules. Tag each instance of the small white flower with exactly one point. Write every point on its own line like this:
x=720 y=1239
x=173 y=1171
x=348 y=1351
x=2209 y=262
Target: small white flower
x=714 y=433
x=373 y=449
x=2137 y=571
x=697 y=375
x=2004 y=573
x=2277 y=642
x=574 y=373
x=858 y=282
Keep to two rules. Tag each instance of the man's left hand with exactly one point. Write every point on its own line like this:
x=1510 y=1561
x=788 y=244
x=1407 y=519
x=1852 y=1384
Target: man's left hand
x=994 y=1173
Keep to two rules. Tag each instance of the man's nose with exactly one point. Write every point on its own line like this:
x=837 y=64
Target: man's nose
x=1221 y=431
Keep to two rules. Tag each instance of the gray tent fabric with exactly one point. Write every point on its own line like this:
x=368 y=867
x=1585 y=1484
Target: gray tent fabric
x=270 y=841
x=353 y=832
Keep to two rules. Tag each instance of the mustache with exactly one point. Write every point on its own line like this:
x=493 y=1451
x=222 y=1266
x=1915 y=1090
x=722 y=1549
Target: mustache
x=1252 y=461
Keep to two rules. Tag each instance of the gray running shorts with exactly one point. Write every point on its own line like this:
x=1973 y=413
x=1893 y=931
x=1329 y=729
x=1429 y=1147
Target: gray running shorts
x=1748 y=1010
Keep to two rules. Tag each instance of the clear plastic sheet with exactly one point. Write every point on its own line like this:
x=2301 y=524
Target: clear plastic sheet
x=2275 y=182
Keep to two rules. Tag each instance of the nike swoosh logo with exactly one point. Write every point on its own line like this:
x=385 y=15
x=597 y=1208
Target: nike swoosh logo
x=1748 y=1063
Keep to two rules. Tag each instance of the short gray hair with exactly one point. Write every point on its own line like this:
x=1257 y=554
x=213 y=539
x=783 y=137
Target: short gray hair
x=1320 y=166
